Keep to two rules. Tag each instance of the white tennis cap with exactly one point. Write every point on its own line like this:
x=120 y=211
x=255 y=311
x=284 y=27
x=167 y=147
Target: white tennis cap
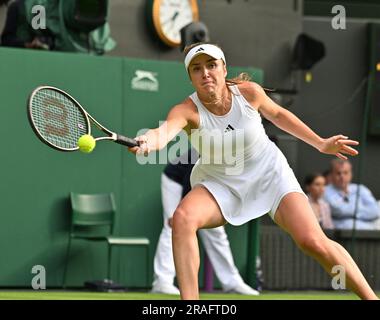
x=209 y=49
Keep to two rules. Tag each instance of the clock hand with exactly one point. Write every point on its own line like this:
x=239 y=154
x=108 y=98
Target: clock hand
x=172 y=19
x=175 y=15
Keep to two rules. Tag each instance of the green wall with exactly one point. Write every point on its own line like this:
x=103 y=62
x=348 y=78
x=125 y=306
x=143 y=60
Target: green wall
x=36 y=180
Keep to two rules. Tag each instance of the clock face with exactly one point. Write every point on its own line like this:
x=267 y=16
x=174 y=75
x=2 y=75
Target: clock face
x=170 y=16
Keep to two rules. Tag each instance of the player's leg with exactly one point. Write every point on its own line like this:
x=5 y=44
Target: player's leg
x=197 y=210
x=218 y=250
x=295 y=216
x=163 y=263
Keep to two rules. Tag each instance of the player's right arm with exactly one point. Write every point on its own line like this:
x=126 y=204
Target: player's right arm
x=181 y=116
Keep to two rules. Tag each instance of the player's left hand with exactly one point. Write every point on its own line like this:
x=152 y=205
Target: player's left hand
x=339 y=145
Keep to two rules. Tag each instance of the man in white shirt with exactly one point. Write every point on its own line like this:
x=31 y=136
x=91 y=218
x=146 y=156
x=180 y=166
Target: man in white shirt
x=342 y=196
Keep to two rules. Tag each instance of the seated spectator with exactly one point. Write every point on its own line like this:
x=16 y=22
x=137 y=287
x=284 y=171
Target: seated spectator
x=315 y=188
x=377 y=222
x=342 y=196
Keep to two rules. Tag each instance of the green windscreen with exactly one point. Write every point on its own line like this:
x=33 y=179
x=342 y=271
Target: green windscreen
x=123 y=94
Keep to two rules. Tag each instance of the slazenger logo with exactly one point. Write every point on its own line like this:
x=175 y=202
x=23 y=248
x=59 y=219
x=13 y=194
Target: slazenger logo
x=145 y=80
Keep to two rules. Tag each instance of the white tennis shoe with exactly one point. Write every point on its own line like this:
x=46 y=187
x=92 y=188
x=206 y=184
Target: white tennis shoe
x=243 y=288
x=165 y=288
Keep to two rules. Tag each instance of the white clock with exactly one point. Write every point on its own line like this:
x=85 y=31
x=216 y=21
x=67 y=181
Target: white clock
x=170 y=16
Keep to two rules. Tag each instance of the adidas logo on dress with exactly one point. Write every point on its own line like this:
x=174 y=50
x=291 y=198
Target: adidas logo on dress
x=229 y=128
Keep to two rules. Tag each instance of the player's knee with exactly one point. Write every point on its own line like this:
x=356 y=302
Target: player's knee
x=183 y=221
x=313 y=245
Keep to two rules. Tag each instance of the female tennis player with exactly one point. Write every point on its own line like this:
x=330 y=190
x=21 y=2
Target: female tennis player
x=260 y=180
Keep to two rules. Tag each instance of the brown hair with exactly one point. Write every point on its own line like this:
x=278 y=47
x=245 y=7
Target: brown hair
x=310 y=178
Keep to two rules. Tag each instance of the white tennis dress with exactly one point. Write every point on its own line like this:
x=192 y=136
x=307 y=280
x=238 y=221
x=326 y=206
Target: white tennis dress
x=245 y=172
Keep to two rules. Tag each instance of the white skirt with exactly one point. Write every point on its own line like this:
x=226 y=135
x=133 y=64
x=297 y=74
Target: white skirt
x=266 y=178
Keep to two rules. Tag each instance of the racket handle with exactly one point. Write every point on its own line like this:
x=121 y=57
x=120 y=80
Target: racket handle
x=126 y=141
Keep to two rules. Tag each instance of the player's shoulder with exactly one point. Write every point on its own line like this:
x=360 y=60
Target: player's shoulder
x=187 y=106
x=186 y=110
x=251 y=88
x=252 y=92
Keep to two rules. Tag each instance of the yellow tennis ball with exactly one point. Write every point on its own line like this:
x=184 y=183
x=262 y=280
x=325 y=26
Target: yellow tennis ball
x=86 y=143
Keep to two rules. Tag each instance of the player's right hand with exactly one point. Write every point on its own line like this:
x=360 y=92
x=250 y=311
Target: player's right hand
x=143 y=148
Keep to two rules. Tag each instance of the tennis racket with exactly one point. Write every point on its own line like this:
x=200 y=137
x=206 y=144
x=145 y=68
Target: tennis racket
x=59 y=120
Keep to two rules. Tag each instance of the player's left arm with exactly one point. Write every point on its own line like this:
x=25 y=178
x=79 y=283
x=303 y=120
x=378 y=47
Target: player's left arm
x=288 y=122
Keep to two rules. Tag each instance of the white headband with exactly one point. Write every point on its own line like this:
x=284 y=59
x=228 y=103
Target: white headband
x=209 y=49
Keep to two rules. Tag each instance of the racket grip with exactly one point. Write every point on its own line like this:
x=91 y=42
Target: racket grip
x=126 y=141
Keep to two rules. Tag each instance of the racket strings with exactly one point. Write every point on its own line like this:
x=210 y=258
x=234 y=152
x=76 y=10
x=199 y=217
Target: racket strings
x=58 y=119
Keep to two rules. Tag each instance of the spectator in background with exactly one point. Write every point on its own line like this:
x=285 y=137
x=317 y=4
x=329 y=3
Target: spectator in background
x=175 y=184
x=18 y=33
x=341 y=194
x=315 y=188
